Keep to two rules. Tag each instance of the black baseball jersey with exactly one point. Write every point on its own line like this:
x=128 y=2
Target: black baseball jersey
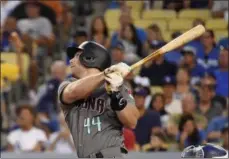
x=93 y=124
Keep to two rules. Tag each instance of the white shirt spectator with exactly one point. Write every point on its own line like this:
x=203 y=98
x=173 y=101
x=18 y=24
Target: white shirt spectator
x=221 y=5
x=174 y=107
x=36 y=27
x=7 y=8
x=26 y=140
x=62 y=146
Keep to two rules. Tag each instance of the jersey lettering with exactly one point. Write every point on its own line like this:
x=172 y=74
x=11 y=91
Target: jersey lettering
x=95 y=121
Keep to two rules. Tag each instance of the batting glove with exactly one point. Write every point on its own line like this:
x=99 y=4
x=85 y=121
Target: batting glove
x=113 y=81
x=121 y=68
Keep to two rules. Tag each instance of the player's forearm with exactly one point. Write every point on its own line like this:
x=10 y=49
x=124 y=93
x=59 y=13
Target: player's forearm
x=129 y=116
x=82 y=88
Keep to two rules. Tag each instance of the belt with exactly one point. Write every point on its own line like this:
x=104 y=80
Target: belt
x=113 y=150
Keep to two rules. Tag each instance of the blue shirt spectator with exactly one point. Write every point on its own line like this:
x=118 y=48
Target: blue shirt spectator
x=221 y=74
x=145 y=124
x=173 y=57
x=208 y=54
x=189 y=61
x=222 y=82
x=223 y=42
x=114 y=5
x=216 y=125
x=202 y=137
x=149 y=119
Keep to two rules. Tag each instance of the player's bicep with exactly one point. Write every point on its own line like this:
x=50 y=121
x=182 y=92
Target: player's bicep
x=64 y=95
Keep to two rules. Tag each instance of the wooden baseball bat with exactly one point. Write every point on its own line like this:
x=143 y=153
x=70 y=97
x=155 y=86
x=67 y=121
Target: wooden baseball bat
x=175 y=43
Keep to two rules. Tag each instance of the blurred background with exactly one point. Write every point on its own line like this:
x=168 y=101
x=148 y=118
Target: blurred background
x=182 y=96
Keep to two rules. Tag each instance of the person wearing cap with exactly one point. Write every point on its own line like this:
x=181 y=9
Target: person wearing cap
x=117 y=53
x=209 y=54
x=157 y=69
x=221 y=74
x=148 y=120
x=189 y=62
x=79 y=37
x=172 y=105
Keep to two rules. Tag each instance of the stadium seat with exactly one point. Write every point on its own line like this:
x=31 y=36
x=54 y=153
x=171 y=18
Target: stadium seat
x=112 y=18
x=145 y=23
x=216 y=24
x=195 y=13
x=135 y=15
x=180 y=25
x=220 y=34
x=167 y=35
x=159 y=14
x=11 y=58
x=135 y=5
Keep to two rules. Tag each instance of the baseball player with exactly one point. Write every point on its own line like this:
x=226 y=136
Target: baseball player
x=95 y=102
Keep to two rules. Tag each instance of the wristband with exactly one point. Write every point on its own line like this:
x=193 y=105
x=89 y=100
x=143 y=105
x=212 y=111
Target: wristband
x=118 y=103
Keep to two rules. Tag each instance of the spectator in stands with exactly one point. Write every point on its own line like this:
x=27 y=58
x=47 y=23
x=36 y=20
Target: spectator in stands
x=157 y=143
x=149 y=119
x=47 y=95
x=189 y=133
x=157 y=69
x=215 y=127
x=172 y=105
x=78 y=37
x=9 y=26
x=224 y=42
x=208 y=57
x=225 y=137
x=182 y=82
x=188 y=108
x=189 y=61
x=118 y=53
x=99 y=31
x=158 y=104
x=132 y=44
x=35 y=27
x=206 y=106
x=130 y=140
x=220 y=9
x=27 y=138
x=153 y=34
x=124 y=20
x=174 y=56
x=210 y=80
x=62 y=141
x=221 y=74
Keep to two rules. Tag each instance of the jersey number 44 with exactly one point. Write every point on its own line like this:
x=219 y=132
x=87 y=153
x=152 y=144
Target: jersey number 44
x=89 y=122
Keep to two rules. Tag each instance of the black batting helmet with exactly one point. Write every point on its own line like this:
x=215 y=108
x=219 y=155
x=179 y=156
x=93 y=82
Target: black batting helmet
x=93 y=55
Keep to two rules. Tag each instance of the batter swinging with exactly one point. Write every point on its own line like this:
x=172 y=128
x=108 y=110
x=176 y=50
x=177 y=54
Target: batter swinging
x=95 y=102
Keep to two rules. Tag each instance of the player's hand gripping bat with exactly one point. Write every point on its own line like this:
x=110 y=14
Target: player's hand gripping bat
x=177 y=42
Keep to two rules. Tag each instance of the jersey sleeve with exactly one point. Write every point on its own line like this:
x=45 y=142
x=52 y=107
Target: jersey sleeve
x=61 y=88
x=127 y=94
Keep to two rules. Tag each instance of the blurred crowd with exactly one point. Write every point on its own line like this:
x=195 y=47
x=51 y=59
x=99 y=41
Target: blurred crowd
x=182 y=96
